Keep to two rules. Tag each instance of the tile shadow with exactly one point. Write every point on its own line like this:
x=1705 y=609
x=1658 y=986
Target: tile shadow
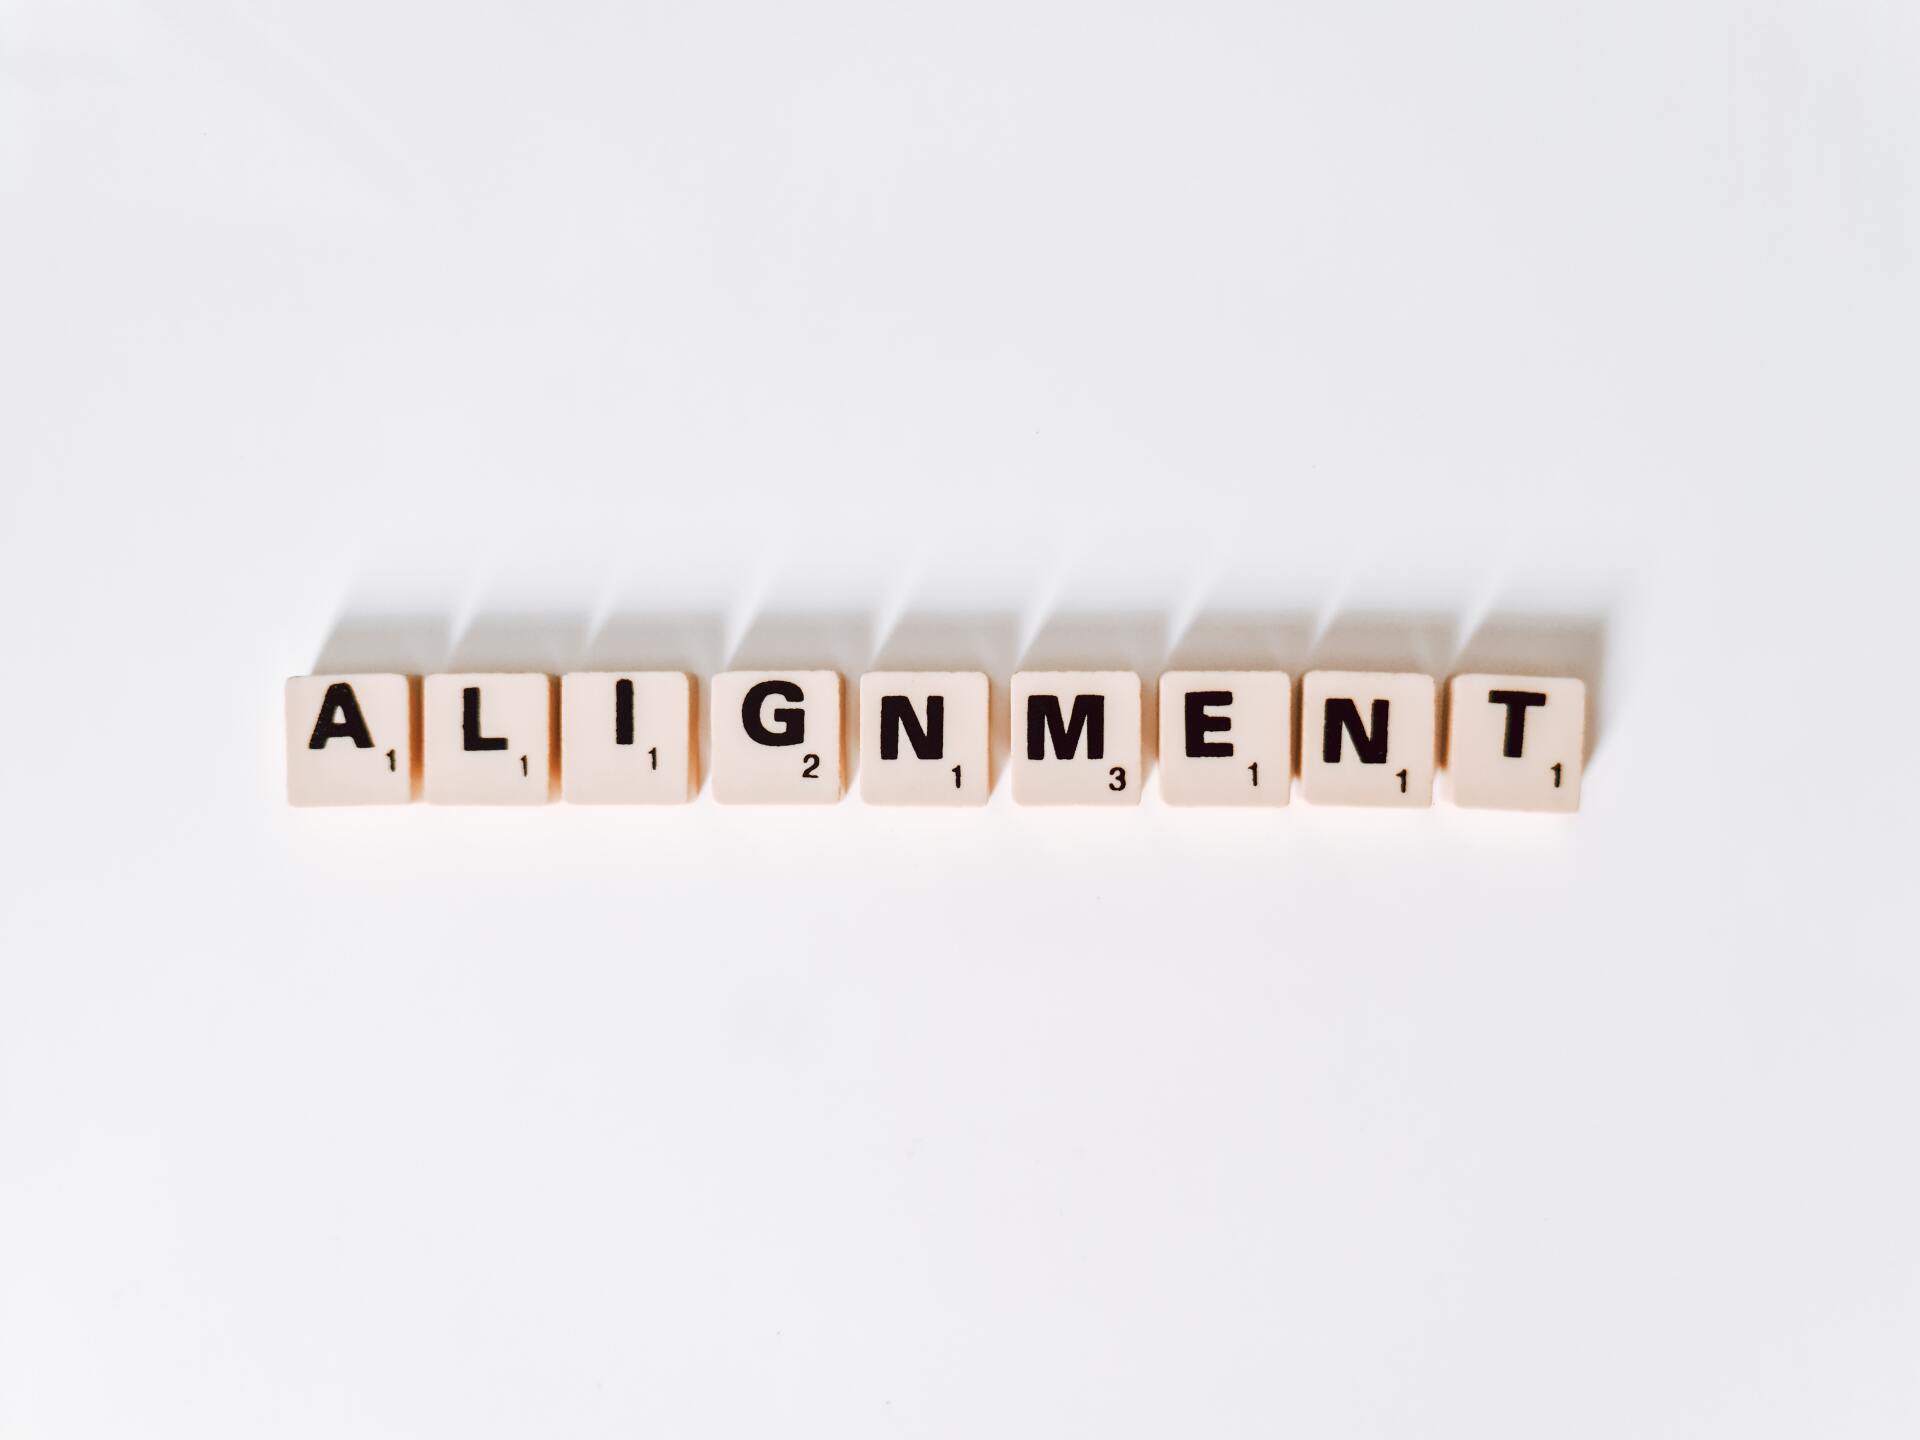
x=695 y=643
x=386 y=644
x=1098 y=640
x=1244 y=640
x=1411 y=642
x=551 y=644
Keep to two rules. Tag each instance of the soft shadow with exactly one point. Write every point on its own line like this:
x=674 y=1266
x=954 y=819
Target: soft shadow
x=1100 y=641
x=551 y=644
x=386 y=645
x=1573 y=645
x=694 y=643
x=1404 y=642
x=1244 y=640
x=985 y=641
x=791 y=640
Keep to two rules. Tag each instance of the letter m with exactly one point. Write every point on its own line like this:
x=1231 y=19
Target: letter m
x=1044 y=722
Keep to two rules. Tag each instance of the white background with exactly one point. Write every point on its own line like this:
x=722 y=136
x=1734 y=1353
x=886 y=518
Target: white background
x=549 y=335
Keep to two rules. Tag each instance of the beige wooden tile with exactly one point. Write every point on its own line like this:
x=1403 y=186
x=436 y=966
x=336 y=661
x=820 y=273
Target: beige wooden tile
x=923 y=737
x=1226 y=737
x=1514 y=742
x=777 y=737
x=351 y=740
x=626 y=738
x=1366 y=738
x=489 y=739
x=1076 y=737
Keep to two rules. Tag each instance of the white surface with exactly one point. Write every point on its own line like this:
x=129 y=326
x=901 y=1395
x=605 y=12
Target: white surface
x=775 y=334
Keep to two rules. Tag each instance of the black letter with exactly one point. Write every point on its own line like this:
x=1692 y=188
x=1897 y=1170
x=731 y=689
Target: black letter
x=470 y=723
x=1372 y=749
x=351 y=724
x=896 y=714
x=1199 y=723
x=623 y=712
x=1516 y=702
x=794 y=722
x=1043 y=716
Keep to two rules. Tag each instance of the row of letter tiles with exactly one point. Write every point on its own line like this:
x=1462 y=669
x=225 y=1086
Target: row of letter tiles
x=1226 y=738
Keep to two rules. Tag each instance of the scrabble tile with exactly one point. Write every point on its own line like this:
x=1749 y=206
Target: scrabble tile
x=777 y=737
x=1366 y=738
x=488 y=739
x=626 y=739
x=923 y=737
x=1076 y=737
x=1514 y=742
x=1226 y=737
x=351 y=740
